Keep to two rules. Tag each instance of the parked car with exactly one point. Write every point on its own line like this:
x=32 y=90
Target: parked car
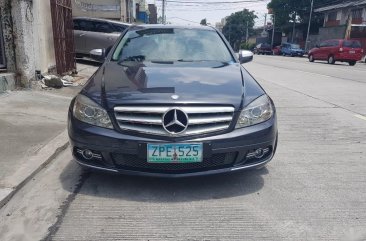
x=292 y=50
x=337 y=50
x=172 y=101
x=93 y=33
x=263 y=48
x=277 y=50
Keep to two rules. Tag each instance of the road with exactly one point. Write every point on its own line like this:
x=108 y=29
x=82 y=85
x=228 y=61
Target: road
x=314 y=189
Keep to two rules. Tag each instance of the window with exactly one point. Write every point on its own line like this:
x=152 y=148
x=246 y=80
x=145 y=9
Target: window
x=324 y=44
x=357 y=13
x=334 y=43
x=332 y=16
x=119 y=28
x=76 y=24
x=86 y=25
x=103 y=27
x=169 y=44
x=351 y=44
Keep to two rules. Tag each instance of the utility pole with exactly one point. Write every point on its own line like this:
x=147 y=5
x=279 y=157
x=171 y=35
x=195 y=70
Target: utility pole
x=163 y=12
x=273 y=29
x=307 y=35
x=246 y=36
x=293 y=29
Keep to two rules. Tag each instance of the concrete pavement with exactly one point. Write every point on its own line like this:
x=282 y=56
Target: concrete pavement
x=312 y=190
x=32 y=130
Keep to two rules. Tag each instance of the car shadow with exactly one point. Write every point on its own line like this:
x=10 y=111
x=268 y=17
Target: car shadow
x=148 y=189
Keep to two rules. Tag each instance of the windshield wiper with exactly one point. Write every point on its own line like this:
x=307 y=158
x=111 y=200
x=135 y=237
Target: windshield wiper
x=136 y=58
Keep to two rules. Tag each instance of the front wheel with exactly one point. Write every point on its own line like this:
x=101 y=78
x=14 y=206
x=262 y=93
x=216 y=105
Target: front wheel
x=331 y=60
x=352 y=63
x=311 y=58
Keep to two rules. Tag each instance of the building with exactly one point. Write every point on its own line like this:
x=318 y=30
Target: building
x=153 y=17
x=343 y=20
x=123 y=10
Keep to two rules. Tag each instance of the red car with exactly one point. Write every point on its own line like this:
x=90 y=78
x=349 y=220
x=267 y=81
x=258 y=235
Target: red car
x=337 y=50
x=277 y=50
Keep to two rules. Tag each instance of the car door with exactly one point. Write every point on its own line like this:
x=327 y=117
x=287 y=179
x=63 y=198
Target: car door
x=82 y=34
x=103 y=36
x=79 y=41
x=321 y=51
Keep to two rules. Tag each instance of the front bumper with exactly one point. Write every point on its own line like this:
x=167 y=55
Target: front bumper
x=118 y=152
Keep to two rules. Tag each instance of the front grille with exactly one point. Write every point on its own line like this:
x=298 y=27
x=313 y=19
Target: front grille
x=133 y=162
x=149 y=119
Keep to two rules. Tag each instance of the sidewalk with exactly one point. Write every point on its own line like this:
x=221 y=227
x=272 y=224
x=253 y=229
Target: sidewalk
x=32 y=130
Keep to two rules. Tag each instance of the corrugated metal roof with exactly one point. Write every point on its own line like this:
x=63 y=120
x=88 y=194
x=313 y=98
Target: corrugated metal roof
x=341 y=5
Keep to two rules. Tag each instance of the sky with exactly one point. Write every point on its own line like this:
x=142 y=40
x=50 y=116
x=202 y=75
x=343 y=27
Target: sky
x=191 y=12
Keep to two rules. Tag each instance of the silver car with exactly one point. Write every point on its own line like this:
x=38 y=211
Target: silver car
x=94 y=33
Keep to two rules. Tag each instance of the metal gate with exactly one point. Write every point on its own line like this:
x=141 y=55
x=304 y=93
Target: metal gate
x=2 y=51
x=62 y=25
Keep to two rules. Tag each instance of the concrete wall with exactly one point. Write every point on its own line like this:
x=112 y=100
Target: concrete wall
x=338 y=32
x=22 y=15
x=44 y=53
x=28 y=39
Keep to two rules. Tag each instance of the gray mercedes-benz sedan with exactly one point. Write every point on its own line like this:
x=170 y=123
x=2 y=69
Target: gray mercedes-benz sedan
x=172 y=101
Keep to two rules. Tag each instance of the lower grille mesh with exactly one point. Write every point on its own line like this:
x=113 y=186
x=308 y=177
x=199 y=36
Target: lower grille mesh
x=133 y=162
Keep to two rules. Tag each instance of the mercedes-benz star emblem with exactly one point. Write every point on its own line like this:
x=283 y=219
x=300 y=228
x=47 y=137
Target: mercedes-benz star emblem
x=175 y=97
x=175 y=121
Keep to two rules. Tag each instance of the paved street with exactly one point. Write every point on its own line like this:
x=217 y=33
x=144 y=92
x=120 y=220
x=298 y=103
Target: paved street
x=314 y=189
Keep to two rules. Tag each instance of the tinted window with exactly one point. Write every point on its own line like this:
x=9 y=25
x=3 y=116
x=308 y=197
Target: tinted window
x=119 y=28
x=334 y=43
x=86 y=25
x=103 y=27
x=76 y=25
x=295 y=46
x=323 y=44
x=351 y=44
x=169 y=44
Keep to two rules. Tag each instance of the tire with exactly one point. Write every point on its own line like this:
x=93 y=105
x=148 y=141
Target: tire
x=331 y=60
x=311 y=58
x=352 y=63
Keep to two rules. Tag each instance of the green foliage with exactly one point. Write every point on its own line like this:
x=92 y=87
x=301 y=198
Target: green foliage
x=247 y=46
x=204 y=22
x=236 y=26
x=286 y=10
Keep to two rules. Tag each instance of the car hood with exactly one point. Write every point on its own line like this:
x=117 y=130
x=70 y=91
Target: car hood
x=174 y=83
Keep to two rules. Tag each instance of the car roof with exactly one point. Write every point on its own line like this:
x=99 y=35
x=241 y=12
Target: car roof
x=166 y=26
x=105 y=20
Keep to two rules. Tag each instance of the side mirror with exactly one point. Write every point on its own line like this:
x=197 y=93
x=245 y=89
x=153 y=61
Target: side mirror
x=245 y=56
x=317 y=46
x=98 y=54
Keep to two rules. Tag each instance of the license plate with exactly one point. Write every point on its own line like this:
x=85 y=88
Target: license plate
x=352 y=52
x=174 y=153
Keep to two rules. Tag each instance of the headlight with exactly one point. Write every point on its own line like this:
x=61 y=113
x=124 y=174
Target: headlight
x=260 y=110
x=90 y=112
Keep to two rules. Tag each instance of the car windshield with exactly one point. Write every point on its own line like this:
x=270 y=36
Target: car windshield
x=172 y=44
x=295 y=46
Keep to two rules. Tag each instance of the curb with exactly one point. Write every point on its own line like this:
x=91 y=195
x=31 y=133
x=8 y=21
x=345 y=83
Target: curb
x=33 y=165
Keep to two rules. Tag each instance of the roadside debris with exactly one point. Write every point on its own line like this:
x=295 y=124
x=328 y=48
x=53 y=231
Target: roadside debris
x=53 y=81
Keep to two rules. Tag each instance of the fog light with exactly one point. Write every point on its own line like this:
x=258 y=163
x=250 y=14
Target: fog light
x=258 y=153
x=87 y=154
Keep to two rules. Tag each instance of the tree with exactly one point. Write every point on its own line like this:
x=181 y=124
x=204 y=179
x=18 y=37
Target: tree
x=235 y=29
x=288 y=10
x=204 y=22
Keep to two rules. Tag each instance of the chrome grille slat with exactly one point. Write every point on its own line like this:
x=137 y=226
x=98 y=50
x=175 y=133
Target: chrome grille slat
x=148 y=119
x=162 y=110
